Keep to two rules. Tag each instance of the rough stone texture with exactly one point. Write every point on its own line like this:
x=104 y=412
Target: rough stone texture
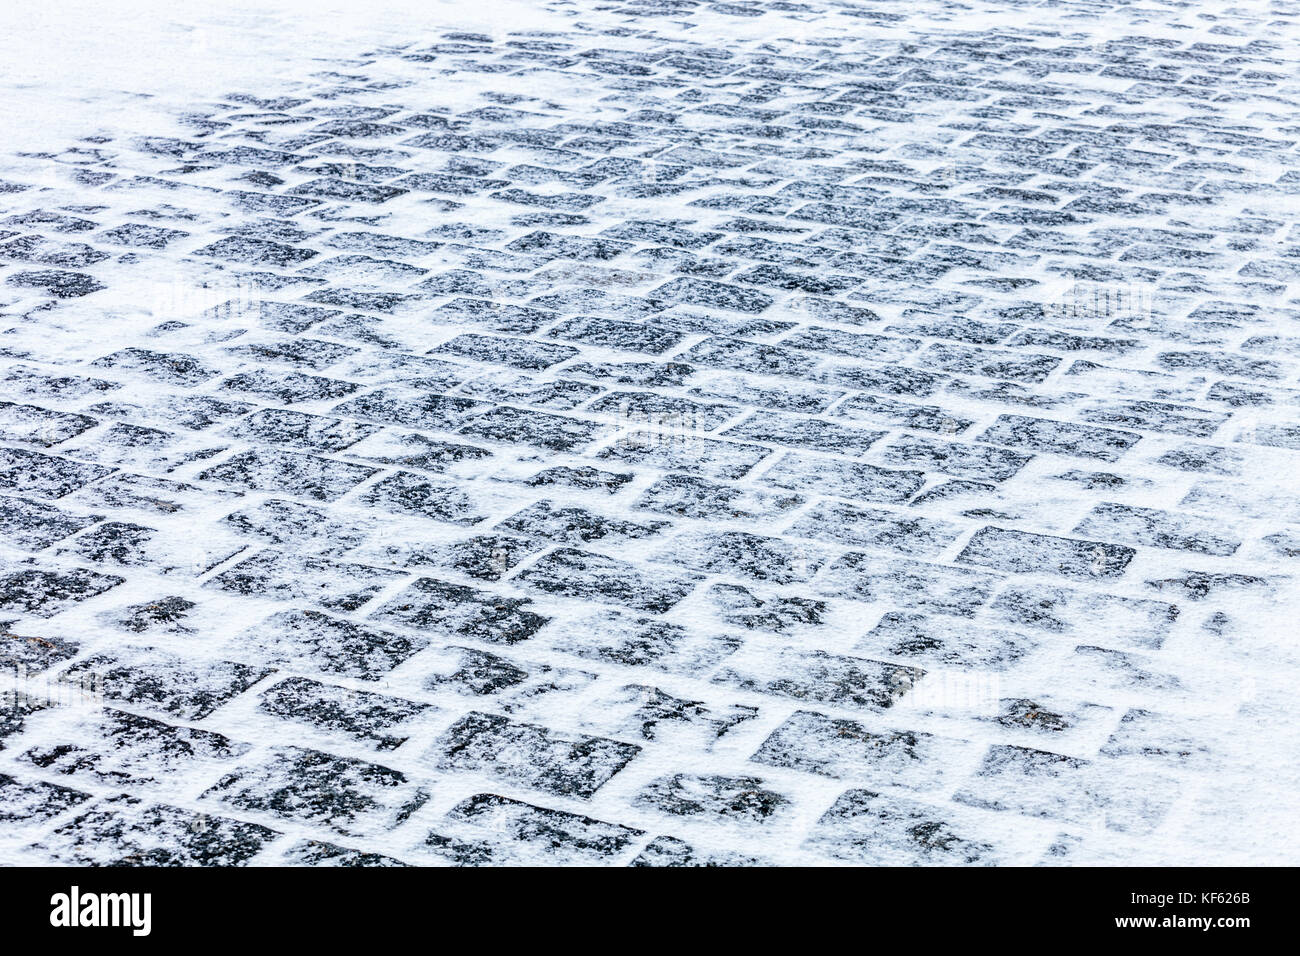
x=698 y=434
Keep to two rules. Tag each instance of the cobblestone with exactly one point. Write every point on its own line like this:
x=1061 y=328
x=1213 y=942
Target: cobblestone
x=696 y=435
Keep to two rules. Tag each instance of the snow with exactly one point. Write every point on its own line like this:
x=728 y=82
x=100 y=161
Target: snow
x=759 y=611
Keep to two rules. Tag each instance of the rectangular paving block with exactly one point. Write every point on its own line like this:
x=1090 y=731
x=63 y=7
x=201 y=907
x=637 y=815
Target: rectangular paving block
x=848 y=749
x=113 y=748
x=47 y=593
x=488 y=829
x=597 y=577
x=1061 y=610
x=317 y=642
x=441 y=610
x=1021 y=552
x=644 y=642
x=852 y=682
x=1040 y=783
x=158 y=680
x=321 y=479
x=674 y=449
x=287 y=576
x=48 y=476
x=800 y=432
x=875 y=528
x=379 y=720
x=745 y=555
x=810 y=474
x=40 y=426
x=954 y=458
x=865 y=827
x=694 y=497
x=742 y=799
x=1156 y=528
x=1062 y=438
x=938 y=587
x=32 y=525
x=23 y=802
x=945 y=641
x=531 y=755
x=344 y=794
x=128 y=831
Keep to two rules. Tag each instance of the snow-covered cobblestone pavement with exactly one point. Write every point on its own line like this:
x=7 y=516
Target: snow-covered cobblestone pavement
x=691 y=433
